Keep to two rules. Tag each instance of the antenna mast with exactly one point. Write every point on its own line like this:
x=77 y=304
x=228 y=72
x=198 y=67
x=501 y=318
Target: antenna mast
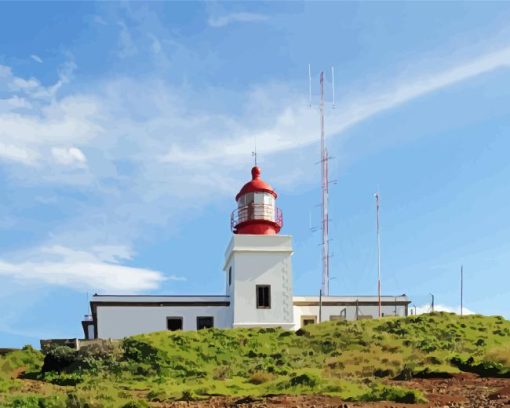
x=378 y=254
x=325 y=200
x=254 y=153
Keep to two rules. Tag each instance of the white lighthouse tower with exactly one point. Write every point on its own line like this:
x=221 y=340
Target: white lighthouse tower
x=258 y=260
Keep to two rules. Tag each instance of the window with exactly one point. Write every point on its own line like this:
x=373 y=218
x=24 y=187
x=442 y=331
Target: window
x=263 y=297
x=229 y=276
x=249 y=198
x=306 y=320
x=205 y=322
x=174 y=323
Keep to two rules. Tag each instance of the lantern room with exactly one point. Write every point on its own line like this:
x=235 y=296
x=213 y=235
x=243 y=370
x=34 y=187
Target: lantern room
x=256 y=211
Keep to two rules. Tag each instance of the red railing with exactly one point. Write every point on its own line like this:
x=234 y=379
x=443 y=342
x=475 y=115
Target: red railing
x=256 y=212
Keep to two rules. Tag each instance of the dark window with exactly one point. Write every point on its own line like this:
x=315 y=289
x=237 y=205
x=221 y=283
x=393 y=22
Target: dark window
x=306 y=320
x=229 y=276
x=263 y=297
x=205 y=322
x=174 y=323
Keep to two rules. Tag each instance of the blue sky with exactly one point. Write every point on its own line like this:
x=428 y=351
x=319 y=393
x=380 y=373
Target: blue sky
x=126 y=130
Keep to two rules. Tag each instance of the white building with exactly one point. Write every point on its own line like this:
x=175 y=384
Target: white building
x=258 y=281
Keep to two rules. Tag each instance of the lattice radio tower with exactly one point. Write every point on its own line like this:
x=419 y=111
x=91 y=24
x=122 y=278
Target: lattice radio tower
x=324 y=182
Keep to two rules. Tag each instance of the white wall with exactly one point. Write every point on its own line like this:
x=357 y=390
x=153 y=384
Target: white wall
x=260 y=260
x=116 y=322
x=327 y=311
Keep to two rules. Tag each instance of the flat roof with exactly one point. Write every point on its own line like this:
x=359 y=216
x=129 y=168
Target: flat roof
x=350 y=298
x=157 y=298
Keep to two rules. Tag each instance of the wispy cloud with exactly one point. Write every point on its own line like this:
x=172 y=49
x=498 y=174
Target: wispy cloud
x=36 y=58
x=127 y=47
x=223 y=21
x=294 y=126
x=144 y=159
x=69 y=156
x=96 y=269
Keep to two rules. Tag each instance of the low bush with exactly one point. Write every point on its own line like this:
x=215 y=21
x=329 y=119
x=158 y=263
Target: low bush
x=304 y=380
x=483 y=368
x=59 y=358
x=396 y=394
x=260 y=377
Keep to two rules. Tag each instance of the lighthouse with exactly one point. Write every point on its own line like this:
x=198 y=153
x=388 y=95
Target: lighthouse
x=258 y=265
x=258 y=285
x=256 y=211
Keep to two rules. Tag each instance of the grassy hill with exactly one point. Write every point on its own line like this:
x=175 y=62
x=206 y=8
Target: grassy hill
x=353 y=360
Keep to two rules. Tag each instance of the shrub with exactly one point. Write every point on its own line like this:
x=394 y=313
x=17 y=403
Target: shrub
x=306 y=380
x=383 y=372
x=260 y=377
x=59 y=358
x=396 y=394
x=187 y=395
x=484 y=368
x=32 y=401
x=499 y=355
x=221 y=373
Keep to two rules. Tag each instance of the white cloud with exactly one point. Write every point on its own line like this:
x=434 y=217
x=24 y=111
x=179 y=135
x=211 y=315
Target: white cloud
x=223 y=21
x=295 y=125
x=127 y=45
x=96 y=269
x=17 y=154
x=31 y=87
x=151 y=157
x=155 y=44
x=68 y=156
x=442 y=308
x=36 y=58
x=14 y=102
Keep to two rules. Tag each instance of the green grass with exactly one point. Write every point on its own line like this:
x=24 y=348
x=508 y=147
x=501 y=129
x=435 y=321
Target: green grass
x=352 y=360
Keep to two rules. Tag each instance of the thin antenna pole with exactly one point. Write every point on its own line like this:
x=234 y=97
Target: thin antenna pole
x=461 y=290
x=378 y=253
x=254 y=153
x=320 y=306
x=333 y=84
x=310 y=85
x=325 y=183
x=432 y=303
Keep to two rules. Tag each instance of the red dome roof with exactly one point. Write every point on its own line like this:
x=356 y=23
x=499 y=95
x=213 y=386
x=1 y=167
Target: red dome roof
x=256 y=185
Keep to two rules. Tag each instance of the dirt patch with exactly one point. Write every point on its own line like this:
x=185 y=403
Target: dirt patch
x=304 y=401
x=464 y=390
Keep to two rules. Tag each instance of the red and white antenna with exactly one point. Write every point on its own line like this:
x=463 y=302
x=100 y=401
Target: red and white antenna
x=324 y=180
x=325 y=200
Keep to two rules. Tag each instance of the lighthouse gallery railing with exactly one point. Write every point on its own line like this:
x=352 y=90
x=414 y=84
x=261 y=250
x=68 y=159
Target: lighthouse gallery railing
x=256 y=212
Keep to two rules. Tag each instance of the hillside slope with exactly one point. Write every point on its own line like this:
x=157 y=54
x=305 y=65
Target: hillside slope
x=352 y=360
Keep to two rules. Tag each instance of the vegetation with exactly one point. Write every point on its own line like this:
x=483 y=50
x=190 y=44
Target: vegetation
x=357 y=361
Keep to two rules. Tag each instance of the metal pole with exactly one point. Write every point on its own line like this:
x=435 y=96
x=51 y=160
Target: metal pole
x=320 y=306
x=378 y=254
x=325 y=221
x=432 y=303
x=461 y=290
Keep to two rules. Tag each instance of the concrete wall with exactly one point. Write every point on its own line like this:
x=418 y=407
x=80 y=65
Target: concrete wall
x=348 y=311
x=116 y=322
x=260 y=260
